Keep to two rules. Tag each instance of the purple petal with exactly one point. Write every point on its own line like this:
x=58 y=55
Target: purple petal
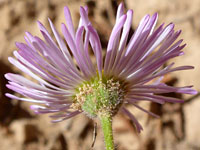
x=69 y=22
x=113 y=43
x=120 y=11
x=142 y=109
x=132 y=117
x=96 y=46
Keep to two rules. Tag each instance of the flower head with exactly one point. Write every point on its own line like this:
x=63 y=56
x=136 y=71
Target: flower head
x=70 y=83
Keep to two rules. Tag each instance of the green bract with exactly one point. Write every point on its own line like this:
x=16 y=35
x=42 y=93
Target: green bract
x=98 y=97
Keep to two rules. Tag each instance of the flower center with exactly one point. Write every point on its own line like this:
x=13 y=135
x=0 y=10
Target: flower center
x=97 y=97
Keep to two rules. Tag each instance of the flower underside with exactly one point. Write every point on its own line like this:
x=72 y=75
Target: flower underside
x=98 y=97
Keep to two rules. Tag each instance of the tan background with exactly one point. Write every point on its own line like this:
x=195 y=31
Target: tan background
x=178 y=127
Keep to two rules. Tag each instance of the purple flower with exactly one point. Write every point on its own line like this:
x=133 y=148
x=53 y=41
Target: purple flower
x=131 y=72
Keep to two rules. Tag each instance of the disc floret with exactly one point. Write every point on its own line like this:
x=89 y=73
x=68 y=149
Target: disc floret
x=99 y=97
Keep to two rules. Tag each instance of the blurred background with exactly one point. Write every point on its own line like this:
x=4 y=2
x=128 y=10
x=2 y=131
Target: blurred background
x=178 y=126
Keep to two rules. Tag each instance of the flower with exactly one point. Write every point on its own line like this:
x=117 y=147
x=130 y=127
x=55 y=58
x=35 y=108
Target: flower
x=68 y=84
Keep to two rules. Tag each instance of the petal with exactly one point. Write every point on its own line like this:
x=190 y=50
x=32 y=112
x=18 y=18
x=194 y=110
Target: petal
x=132 y=117
x=69 y=22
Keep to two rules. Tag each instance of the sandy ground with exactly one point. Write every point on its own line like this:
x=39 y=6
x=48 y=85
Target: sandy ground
x=178 y=126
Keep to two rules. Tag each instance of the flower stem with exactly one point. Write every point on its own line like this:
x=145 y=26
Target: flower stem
x=106 y=123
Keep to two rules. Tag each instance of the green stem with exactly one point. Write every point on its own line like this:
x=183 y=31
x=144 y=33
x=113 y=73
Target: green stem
x=106 y=123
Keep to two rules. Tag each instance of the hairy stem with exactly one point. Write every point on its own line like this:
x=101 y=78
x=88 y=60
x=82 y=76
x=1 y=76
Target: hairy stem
x=106 y=123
